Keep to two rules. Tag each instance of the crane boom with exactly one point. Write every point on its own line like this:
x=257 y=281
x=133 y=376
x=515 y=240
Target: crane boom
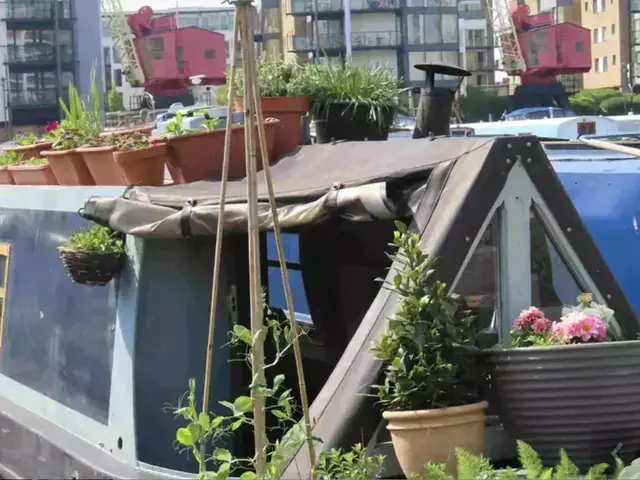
x=506 y=36
x=122 y=38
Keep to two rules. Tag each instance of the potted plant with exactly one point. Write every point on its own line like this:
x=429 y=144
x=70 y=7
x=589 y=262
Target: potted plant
x=28 y=145
x=430 y=394
x=198 y=154
x=94 y=256
x=351 y=102
x=80 y=123
x=35 y=171
x=140 y=161
x=97 y=155
x=569 y=383
x=283 y=92
x=8 y=158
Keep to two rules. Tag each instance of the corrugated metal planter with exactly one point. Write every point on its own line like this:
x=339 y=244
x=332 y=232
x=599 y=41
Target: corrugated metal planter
x=583 y=398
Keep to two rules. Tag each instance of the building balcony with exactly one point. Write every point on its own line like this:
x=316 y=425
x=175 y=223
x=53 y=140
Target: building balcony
x=479 y=42
x=39 y=11
x=470 y=11
x=303 y=43
x=41 y=98
x=373 y=40
x=635 y=37
x=306 y=7
x=475 y=65
x=37 y=55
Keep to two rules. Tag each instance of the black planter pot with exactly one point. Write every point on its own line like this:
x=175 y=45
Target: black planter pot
x=583 y=398
x=344 y=121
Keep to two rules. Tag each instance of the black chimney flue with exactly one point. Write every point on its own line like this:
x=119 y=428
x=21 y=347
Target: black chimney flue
x=436 y=103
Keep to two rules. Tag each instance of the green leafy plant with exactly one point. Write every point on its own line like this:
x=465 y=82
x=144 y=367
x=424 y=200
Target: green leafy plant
x=276 y=78
x=25 y=138
x=355 y=464
x=114 y=100
x=375 y=88
x=97 y=239
x=472 y=467
x=35 y=162
x=8 y=157
x=429 y=345
x=204 y=431
x=210 y=124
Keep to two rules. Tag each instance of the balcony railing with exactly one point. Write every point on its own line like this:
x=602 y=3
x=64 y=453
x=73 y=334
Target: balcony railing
x=38 y=54
x=479 y=42
x=44 y=97
x=324 y=6
x=431 y=3
x=375 y=39
x=38 y=10
x=374 y=4
x=474 y=65
x=635 y=37
x=470 y=10
x=299 y=43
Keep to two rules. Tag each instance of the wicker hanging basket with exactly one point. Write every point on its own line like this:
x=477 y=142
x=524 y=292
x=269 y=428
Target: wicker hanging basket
x=91 y=268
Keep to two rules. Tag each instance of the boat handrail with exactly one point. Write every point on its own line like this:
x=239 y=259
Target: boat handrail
x=605 y=142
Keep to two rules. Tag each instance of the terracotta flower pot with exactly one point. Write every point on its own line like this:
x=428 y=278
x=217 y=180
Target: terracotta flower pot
x=30 y=151
x=32 y=175
x=68 y=166
x=144 y=166
x=289 y=110
x=199 y=156
x=147 y=129
x=423 y=436
x=102 y=165
x=5 y=176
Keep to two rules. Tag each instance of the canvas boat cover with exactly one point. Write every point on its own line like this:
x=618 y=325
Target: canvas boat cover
x=357 y=181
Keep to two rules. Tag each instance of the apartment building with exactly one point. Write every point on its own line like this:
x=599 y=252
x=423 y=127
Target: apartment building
x=216 y=19
x=396 y=34
x=48 y=44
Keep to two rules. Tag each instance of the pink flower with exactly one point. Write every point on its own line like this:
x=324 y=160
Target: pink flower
x=529 y=317
x=581 y=327
x=541 y=325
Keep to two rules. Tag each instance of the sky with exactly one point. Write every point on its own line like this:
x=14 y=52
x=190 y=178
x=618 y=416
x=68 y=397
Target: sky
x=128 y=5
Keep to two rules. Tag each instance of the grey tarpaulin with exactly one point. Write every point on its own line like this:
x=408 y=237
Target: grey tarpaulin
x=356 y=181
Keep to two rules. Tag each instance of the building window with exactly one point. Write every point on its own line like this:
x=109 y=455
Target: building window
x=210 y=54
x=604 y=34
x=586 y=6
x=433 y=28
x=117 y=77
x=613 y=29
x=613 y=60
x=579 y=46
x=5 y=255
x=605 y=67
x=157 y=48
x=595 y=35
x=227 y=49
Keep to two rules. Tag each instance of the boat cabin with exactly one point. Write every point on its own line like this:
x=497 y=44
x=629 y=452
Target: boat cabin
x=86 y=373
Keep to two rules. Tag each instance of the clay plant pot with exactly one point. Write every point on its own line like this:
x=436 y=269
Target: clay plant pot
x=68 y=166
x=144 y=166
x=32 y=174
x=423 y=436
x=102 y=165
x=5 y=176
x=289 y=110
x=28 y=152
x=199 y=156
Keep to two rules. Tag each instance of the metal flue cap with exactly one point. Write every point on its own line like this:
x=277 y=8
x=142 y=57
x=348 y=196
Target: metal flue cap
x=438 y=68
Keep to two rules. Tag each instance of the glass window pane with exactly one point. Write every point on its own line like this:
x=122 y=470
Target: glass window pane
x=290 y=245
x=277 y=298
x=478 y=285
x=3 y=267
x=553 y=285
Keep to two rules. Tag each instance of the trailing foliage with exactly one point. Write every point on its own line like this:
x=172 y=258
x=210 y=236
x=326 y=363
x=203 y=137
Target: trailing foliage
x=96 y=239
x=477 y=467
x=429 y=344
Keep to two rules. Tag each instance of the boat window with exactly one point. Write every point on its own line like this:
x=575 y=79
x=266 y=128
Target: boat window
x=5 y=253
x=553 y=285
x=478 y=285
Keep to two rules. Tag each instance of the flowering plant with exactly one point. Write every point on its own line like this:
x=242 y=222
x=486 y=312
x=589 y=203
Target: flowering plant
x=587 y=322
x=51 y=126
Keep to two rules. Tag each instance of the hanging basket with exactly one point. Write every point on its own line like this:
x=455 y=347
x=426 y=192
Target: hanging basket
x=94 y=269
